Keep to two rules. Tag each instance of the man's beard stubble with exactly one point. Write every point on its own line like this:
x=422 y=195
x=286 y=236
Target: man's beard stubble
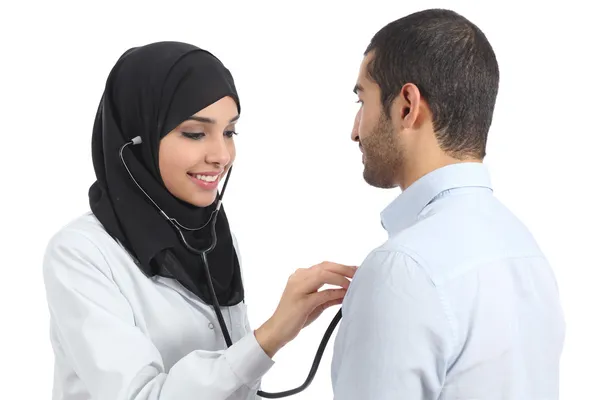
x=383 y=155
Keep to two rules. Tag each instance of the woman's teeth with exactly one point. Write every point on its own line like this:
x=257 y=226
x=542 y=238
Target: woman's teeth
x=207 y=178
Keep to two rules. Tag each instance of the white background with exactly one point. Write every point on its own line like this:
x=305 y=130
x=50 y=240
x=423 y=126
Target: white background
x=298 y=178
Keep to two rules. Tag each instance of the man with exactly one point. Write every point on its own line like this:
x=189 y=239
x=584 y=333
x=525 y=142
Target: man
x=459 y=302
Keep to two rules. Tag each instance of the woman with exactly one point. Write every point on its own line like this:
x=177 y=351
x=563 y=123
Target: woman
x=130 y=305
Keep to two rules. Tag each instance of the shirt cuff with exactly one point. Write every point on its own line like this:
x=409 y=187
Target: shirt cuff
x=248 y=360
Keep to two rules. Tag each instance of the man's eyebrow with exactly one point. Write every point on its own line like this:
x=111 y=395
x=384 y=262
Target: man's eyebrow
x=358 y=88
x=210 y=120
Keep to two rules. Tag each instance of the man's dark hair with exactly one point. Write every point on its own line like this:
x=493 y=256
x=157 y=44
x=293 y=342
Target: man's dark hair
x=454 y=66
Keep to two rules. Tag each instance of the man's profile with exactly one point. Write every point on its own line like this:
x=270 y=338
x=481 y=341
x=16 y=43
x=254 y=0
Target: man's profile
x=459 y=302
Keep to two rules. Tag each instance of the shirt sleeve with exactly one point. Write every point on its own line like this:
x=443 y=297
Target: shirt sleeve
x=114 y=359
x=395 y=339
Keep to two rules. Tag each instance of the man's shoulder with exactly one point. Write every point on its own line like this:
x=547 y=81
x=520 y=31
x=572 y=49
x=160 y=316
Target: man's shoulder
x=447 y=242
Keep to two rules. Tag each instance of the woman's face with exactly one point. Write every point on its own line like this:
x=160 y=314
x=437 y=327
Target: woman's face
x=196 y=155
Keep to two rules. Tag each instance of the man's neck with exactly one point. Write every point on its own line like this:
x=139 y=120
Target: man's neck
x=424 y=166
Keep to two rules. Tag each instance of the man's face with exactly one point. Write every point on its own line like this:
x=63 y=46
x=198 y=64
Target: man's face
x=383 y=154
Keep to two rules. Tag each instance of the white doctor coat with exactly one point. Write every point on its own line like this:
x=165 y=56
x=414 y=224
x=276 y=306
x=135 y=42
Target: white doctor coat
x=119 y=335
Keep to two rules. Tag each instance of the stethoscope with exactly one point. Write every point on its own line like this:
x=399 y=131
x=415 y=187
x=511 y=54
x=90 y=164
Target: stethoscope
x=215 y=303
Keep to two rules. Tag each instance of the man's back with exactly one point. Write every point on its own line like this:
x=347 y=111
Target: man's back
x=459 y=303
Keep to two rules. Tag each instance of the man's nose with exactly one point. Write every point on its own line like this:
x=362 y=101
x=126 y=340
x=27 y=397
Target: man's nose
x=354 y=133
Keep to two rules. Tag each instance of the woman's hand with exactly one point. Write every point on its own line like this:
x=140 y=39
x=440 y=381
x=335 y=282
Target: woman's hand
x=302 y=303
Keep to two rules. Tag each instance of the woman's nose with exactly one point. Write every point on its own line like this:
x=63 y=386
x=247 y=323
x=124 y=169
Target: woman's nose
x=218 y=153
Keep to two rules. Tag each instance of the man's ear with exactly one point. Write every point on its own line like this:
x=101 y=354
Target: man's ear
x=407 y=105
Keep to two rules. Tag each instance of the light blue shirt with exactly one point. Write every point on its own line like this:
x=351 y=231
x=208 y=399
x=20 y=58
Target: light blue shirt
x=458 y=303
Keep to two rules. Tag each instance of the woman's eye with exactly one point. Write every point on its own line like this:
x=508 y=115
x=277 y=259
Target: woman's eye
x=191 y=135
x=230 y=133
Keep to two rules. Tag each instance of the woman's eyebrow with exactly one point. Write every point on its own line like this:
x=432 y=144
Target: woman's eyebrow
x=210 y=120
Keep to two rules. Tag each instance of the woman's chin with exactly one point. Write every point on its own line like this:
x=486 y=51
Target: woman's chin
x=197 y=198
x=204 y=200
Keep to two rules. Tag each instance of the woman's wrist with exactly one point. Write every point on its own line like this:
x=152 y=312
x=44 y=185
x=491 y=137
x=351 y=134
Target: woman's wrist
x=267 y=338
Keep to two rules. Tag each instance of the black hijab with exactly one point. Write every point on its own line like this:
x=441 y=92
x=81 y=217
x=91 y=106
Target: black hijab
x=149 y=92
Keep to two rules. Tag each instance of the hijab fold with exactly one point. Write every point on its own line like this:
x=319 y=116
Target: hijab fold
x=149 y=92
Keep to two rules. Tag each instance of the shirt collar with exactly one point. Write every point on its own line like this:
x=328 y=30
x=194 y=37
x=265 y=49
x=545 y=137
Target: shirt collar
x=404 y=210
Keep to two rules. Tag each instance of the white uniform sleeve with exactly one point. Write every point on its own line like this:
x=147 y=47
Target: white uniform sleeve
x=112 y=357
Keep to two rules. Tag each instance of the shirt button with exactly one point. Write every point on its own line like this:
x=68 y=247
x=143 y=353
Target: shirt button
x=211 y=326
